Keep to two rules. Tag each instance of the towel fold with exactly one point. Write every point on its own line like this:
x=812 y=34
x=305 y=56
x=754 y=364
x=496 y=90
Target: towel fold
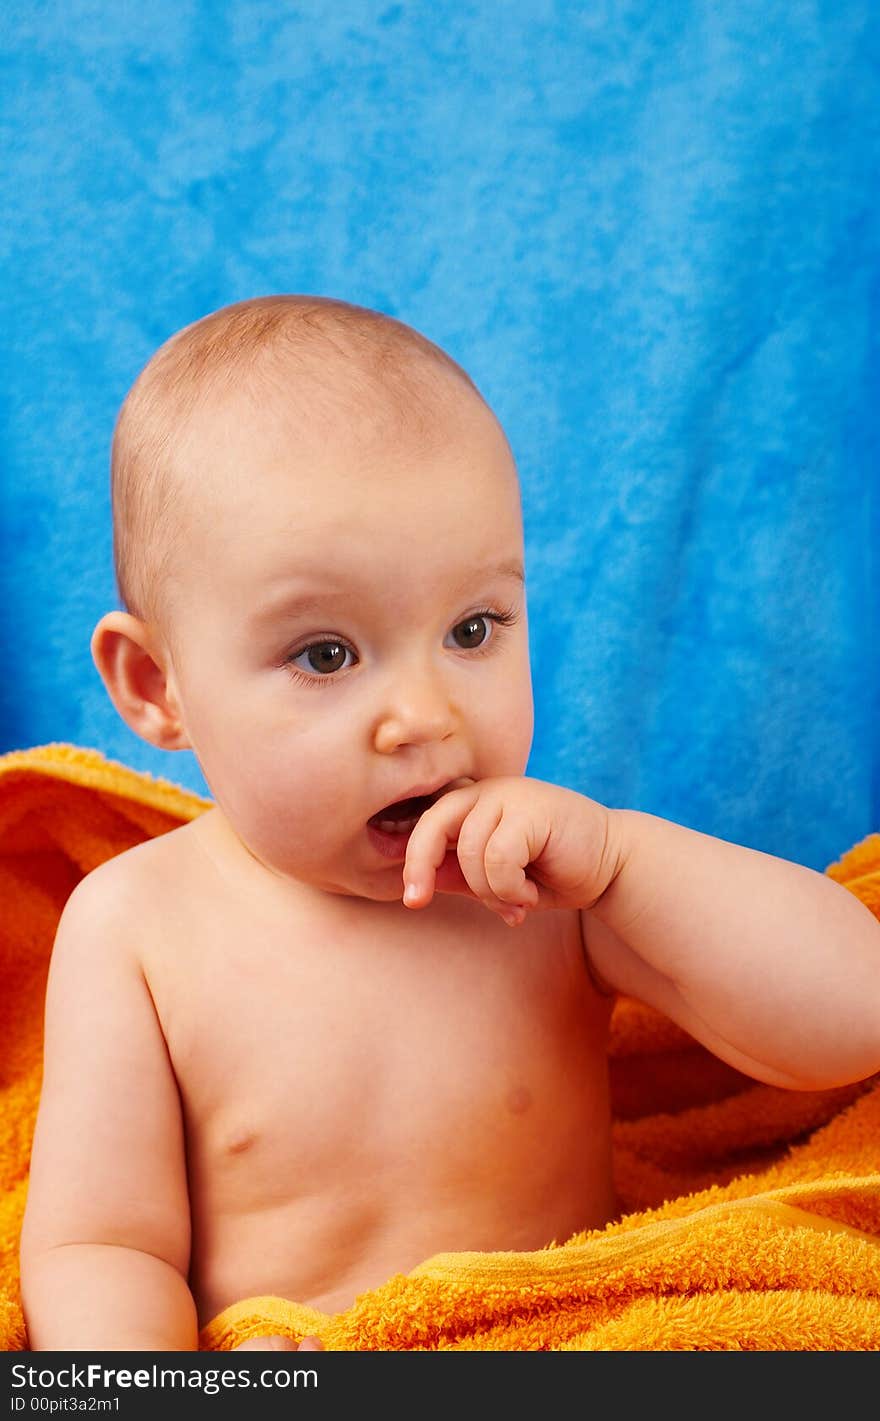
x=751 y=1214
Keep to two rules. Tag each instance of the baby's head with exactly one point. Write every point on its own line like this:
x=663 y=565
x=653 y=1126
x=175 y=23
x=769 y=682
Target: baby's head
x=319 y=549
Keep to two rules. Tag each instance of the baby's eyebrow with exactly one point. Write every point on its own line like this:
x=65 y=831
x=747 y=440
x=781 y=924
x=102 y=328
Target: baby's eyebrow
x=505 y=569
x=512 y=570
x=289 y=602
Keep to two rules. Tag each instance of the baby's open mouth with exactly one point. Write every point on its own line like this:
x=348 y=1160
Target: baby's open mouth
x=400 y=818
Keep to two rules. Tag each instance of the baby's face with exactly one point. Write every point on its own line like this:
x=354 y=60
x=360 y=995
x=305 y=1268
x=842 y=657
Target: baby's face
x=351 y=631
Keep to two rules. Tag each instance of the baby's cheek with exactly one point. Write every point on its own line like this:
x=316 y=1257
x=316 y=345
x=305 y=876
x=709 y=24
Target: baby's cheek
x=291 y=825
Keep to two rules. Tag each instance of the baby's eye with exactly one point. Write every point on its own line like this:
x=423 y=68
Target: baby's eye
x=323 y=657
x=472 y=632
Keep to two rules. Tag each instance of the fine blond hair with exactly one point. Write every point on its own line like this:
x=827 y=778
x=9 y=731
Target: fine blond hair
x=295 y=343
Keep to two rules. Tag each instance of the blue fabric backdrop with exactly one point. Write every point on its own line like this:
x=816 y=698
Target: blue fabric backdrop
x=650 y=233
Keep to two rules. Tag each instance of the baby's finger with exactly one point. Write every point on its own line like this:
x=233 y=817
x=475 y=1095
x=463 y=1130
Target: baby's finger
x=470 y=850
x=476 y=834
x=435 y=833
x=507 y=856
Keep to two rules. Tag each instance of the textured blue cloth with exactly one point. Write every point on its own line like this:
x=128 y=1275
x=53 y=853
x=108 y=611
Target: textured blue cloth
x=650 y=233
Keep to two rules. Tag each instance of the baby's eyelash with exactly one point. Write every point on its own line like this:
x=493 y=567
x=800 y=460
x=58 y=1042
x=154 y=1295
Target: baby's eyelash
x=315 y=679
x=505 y=617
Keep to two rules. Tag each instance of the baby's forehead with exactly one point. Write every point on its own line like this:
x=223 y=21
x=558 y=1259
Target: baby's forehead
x=291 y=406
x=296 y=427
x=263 y=483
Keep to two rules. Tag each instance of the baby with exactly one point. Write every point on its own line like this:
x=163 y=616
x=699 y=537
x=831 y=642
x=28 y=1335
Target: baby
x=356 y=1013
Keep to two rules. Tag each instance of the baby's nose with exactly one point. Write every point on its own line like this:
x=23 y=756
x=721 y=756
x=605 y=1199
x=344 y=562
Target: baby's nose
x=418 y=712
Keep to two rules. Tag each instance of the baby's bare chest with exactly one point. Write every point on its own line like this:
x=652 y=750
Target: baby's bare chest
x=410 y=1053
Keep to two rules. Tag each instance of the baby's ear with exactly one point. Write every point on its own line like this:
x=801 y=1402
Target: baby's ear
x=138 y=681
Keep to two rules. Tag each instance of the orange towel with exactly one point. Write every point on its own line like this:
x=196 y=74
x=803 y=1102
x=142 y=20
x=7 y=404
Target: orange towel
x=752 y=1214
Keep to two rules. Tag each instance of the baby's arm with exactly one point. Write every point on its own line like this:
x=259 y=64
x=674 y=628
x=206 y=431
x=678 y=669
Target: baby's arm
x=774 y=967
x=106 y=1237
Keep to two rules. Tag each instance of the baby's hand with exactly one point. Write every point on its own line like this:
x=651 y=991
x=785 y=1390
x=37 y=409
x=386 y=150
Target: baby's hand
x=480 y=840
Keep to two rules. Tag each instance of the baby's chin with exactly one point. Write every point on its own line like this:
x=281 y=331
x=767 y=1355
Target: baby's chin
x=316 y=881
x=387 y=890
x=379 y=893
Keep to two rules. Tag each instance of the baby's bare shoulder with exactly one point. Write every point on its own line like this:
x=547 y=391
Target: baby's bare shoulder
x=116 y=901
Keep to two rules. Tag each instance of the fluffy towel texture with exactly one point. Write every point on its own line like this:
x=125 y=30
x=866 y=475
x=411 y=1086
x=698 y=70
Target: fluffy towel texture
x=752 y=1214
